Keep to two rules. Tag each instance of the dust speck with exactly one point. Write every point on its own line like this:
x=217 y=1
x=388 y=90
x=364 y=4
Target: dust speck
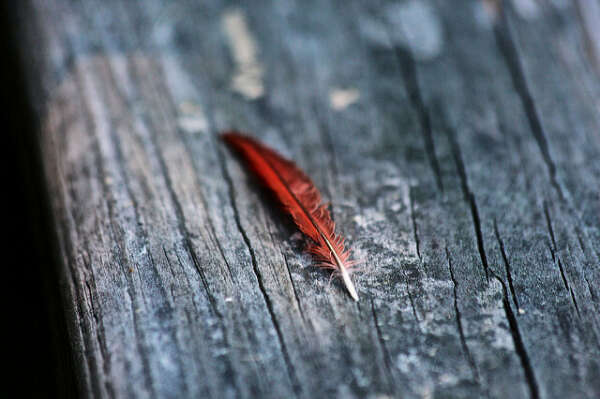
x=343 y=98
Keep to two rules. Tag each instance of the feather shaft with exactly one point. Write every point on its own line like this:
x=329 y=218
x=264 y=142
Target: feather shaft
x=301 y=199
x=344 y=272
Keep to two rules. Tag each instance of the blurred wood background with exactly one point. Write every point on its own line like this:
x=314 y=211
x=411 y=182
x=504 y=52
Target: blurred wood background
x=458 y=143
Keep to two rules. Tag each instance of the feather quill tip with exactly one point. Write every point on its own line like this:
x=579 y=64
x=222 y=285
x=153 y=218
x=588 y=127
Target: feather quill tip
x=349 y=285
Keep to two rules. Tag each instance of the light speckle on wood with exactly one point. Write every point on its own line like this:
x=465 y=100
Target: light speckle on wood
x=248 y=76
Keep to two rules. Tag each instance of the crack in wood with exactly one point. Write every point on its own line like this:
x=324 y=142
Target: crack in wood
x=386 y=355
x=549 y=225
x=508 y=48
x=411 y=301
x=329 y=143
x=289 y=364
x=580 y=240
x=100 y=341
x=289 y=274
x=507 y=267
x=518 y=342
x=300 y=309
x=458 y=318
x=556 y=259
x=170 y=104
x=592 y=292
x=121 y=258
x=468 y=194
x=179 y=216
x=413 y=219
x=411 y=83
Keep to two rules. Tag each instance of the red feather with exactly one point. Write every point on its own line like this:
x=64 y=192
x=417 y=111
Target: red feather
x=301 y=199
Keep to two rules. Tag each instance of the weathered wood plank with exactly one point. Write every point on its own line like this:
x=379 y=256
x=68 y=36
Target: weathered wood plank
x=457 y=143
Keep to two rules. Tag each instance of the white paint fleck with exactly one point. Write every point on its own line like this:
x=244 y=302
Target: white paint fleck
x=420 y=27
x=192 y=119
x=342 y=98
x=247 y=79
x=527 y=9
x=521 y=311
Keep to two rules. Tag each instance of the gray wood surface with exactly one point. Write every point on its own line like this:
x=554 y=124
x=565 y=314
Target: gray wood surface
x=458 y=143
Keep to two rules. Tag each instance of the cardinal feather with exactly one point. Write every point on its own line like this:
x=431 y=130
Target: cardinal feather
x=301 y=200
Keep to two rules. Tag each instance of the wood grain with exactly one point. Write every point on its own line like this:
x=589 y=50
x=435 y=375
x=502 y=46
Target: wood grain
x=462 y=162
